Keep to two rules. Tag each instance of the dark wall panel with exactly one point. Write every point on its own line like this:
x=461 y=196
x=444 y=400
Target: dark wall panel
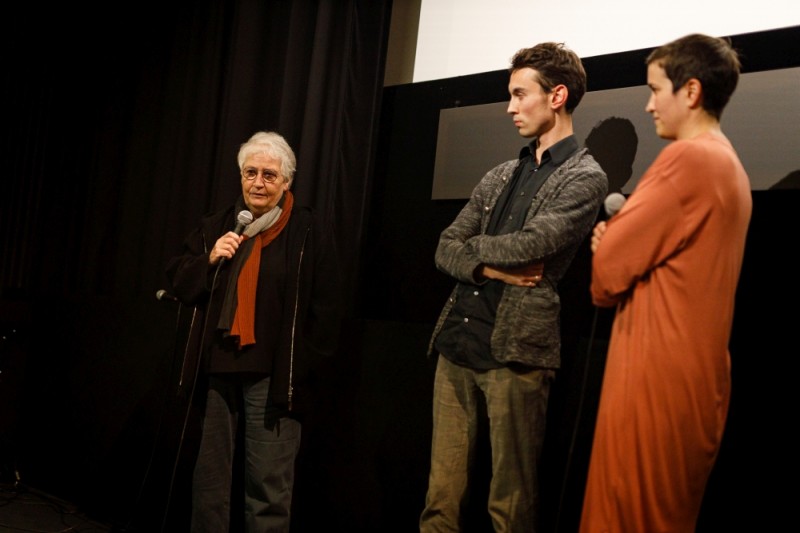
x=401 y=285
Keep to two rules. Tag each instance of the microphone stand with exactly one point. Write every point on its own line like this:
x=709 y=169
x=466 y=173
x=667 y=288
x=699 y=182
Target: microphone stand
x=191 y=391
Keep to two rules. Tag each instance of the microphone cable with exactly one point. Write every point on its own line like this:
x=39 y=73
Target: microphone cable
x=612 y=204
x=190 y=395
x=243 y=219
x=578 y=415
x=159 y=295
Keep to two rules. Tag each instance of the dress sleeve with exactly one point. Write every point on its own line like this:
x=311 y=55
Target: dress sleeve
x=651 y=226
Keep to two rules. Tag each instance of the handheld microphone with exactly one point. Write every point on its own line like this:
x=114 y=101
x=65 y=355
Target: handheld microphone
x=244 y=218
x=161 y=295
x=613 y=203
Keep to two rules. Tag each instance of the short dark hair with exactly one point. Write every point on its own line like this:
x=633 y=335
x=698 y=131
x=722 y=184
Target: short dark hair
x=711 y=60
x=556 y=65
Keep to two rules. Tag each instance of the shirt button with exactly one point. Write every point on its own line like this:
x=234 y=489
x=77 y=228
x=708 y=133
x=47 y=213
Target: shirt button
x=466 y=319
x=475 y=293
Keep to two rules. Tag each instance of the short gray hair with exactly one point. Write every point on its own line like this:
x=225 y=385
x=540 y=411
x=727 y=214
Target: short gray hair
x=274 y=145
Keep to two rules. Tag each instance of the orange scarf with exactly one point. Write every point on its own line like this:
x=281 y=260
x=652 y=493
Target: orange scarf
x=244 y=317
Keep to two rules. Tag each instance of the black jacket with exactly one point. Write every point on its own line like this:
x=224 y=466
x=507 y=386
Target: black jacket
x=312 y=304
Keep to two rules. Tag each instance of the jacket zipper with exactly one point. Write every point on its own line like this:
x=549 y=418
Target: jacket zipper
x=294 y=319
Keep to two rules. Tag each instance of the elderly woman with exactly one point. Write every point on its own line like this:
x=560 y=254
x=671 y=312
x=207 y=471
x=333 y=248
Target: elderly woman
x=268 y=293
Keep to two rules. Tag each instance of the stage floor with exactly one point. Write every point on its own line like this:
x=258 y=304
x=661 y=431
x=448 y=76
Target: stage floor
x=27 y=509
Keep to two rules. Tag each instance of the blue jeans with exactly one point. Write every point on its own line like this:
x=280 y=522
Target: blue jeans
x=270 y=451
x=516 y=405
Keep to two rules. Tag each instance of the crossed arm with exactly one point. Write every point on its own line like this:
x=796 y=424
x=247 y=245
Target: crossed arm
x=524 y=276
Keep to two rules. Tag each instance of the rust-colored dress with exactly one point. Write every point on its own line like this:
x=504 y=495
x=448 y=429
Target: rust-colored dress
x=670 y=260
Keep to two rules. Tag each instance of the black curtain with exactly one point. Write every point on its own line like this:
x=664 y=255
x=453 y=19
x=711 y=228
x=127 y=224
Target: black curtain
x=121 y=127
x=121 y=124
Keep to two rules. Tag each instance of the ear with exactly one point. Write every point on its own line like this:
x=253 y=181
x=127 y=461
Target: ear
x=694 y=92
x=558 y=96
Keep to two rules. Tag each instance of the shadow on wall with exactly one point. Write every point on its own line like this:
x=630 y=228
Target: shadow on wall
x=790 y=181
x=613 y=143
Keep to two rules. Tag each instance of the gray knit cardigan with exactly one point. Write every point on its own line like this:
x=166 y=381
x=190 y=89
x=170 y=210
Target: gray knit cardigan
x=561 y=215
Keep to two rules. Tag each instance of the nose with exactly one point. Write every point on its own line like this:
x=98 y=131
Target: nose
x=648 y=107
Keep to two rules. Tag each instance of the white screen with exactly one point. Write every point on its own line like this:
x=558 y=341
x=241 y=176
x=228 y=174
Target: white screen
x=460 y=37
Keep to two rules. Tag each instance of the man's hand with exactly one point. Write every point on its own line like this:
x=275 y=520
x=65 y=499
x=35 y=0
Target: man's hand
x=525 y=276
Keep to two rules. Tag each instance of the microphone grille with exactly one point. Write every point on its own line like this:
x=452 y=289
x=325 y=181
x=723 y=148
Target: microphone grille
x=244 y=217
x=613 y=203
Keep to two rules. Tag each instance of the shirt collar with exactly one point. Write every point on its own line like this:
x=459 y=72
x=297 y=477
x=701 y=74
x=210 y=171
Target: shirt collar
x=559 y=152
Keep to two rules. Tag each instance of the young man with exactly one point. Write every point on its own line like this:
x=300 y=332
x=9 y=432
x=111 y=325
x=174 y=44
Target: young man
x=670 y=262
x=498 y=335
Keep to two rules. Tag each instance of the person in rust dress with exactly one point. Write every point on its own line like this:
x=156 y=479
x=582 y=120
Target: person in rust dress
x=670 y=261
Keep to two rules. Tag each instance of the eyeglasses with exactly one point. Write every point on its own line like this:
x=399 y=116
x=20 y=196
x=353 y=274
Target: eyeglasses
x=250 y=174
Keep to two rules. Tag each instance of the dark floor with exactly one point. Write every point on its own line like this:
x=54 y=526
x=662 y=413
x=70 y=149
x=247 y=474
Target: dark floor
x=27 y=509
